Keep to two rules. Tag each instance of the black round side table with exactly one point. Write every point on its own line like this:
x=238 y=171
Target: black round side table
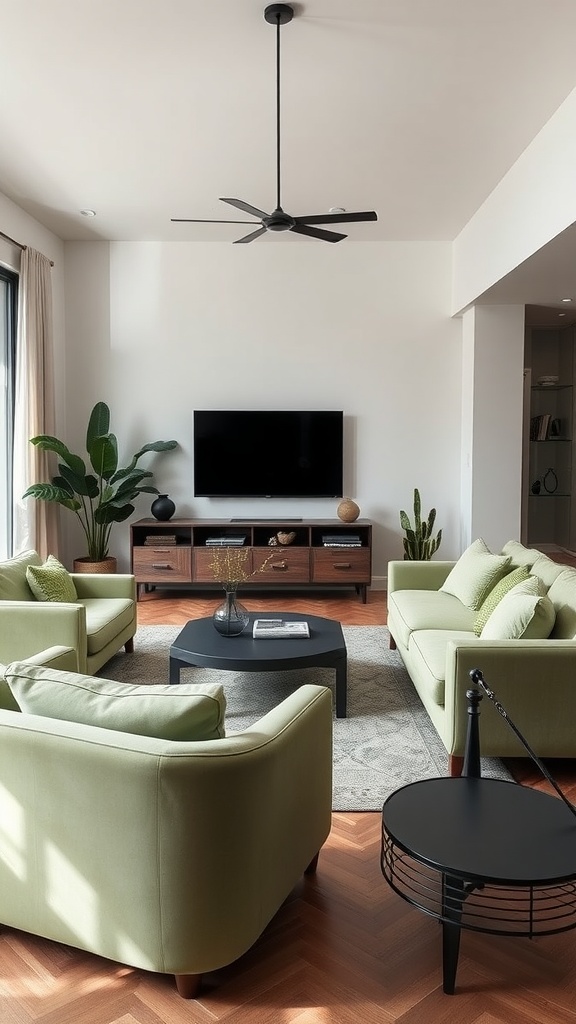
x=481 y=854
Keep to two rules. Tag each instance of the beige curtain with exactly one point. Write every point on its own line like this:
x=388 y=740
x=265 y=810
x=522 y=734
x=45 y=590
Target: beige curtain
x=35 y=523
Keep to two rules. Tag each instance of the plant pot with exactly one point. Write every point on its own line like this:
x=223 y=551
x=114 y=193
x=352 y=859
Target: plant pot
x=86 y=564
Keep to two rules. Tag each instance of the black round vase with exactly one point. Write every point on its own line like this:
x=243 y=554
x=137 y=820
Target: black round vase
x=163 y=507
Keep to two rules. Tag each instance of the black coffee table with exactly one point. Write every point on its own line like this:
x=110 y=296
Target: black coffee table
x=201 y=645
x=481 y=854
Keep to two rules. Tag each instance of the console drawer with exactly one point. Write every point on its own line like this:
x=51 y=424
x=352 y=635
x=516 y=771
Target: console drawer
x=169 y=564
x=206 y=561
x=286 y=564
x=334 y=564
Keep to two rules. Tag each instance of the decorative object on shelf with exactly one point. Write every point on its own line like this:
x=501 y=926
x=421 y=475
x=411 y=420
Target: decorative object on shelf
x=163 y=508
x=550 y=481
x=536 y=487
x=286 y=537
x=348 y=511
x=229 y=568
x=230 y=617
x=419 y=544
x=102 y=497
x=548 y=380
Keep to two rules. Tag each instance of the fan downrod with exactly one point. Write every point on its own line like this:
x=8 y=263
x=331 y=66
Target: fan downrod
x=278 y=14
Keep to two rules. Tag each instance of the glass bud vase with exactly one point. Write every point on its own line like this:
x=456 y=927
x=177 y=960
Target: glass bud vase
x=230 y=617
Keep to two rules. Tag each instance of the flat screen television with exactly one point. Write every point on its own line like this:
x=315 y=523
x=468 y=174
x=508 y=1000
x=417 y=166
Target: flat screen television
x=254 y=454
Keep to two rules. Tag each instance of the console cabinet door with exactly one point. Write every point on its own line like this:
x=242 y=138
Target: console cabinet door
x=207 y=560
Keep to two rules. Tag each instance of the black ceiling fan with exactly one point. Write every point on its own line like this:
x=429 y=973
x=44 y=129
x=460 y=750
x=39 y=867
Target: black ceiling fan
x=278 y=220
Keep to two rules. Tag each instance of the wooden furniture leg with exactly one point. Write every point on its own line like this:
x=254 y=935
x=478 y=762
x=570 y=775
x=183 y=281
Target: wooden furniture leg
x=188 y=985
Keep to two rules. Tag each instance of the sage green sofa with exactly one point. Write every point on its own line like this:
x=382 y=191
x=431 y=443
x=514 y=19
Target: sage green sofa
x=166 y=855
x=96 y=625
x=534 y=679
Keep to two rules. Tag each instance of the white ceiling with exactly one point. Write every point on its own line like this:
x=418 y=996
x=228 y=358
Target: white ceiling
x=145 y=110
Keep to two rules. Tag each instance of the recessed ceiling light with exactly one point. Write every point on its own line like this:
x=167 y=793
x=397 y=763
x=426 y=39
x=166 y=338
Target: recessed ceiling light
x=88 y=213
x=566 y=300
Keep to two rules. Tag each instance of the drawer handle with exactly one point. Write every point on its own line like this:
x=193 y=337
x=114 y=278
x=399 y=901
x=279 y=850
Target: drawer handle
x=342 y=565
x=161 y=565
x=280 y=566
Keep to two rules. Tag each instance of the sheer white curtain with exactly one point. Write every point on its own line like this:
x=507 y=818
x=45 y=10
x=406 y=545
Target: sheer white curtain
x=35 y=523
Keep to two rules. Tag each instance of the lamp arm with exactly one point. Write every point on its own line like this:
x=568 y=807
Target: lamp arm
x=478 y=679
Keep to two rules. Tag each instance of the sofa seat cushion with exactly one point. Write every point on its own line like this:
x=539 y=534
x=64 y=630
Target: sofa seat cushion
x=428 y=653
x=13 y=582
x=183 y=712
x=106 y=617
x=427 y=609
x=562 y=593
x=475 y=574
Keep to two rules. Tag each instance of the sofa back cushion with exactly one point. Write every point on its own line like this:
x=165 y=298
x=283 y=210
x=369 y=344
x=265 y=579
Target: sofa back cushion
x=475 y=574
x=13 y=582
x=181 y=712
x=562 y=593
x=520 y=555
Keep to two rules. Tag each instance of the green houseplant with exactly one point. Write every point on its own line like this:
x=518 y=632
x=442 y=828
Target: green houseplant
x=102 y=497
x=419 y=544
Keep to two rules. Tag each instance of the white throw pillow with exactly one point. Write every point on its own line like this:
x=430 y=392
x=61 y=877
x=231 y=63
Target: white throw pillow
x=475 y=574
x=523 y=614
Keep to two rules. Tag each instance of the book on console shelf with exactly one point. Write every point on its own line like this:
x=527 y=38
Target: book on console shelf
x=278 y=629
x=226 y=542
x=342 y=544
x=162 y=540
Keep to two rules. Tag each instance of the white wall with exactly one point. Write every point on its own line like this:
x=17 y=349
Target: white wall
x=158 y=329
x=532 y=204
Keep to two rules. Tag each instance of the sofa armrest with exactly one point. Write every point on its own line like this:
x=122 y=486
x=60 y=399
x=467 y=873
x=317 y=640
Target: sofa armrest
x=104 y=585
x=534 y=682
x=29 y=627
x=412 y=575
x=58 y=657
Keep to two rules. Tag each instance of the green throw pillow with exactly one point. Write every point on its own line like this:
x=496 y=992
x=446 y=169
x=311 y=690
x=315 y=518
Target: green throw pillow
x=497 y=593
x=51 y=581
x=179 y=711
x=13 y=584
x=475 y=574
x=521 y=615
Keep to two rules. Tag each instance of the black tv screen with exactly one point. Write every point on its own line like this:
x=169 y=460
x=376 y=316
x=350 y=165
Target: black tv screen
x=268 y=454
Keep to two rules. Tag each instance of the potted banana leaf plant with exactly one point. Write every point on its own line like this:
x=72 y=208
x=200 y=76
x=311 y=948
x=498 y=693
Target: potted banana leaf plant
x=100 y=495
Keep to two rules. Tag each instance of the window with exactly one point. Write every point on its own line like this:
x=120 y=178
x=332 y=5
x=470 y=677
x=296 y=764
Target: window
x=8 y=298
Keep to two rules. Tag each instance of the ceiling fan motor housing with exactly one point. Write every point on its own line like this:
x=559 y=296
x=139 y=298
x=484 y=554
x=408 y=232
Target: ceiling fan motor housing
x=278 y=221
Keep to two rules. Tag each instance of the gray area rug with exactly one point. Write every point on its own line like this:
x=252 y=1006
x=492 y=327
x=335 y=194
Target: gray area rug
x=386 y=740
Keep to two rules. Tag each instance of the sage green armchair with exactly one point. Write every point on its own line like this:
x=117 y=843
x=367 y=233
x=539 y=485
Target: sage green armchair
x=169 y=856
x=97 y=625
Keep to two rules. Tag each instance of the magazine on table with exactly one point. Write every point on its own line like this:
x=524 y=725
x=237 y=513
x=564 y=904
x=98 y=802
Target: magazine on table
x=278 y=629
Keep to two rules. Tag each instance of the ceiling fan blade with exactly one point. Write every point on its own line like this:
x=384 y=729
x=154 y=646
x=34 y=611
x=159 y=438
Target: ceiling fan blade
x=337 y=218
x=326 y=236
x=251 y=236
x=245 y=207
x=192 y=220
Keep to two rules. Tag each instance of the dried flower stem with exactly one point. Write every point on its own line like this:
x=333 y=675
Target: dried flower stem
x=229 y=565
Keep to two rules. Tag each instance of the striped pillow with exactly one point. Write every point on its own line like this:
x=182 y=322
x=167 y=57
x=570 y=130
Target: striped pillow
x=497 y=593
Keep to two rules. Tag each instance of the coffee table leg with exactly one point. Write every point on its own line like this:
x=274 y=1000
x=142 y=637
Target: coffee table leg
x=174 y=668
x=341 y=686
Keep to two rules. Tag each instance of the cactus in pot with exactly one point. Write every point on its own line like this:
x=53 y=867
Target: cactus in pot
x=419 y=544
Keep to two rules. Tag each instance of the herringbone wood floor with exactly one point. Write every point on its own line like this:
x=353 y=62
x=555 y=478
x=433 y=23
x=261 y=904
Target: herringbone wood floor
x=343 y=949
